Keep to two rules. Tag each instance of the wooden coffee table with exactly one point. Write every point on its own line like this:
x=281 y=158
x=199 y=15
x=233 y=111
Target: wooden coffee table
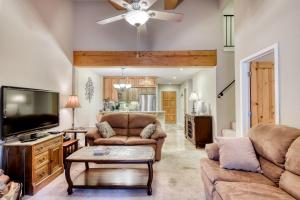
x=112 y=178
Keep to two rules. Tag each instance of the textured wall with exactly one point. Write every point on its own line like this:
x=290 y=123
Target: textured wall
x=260 y=24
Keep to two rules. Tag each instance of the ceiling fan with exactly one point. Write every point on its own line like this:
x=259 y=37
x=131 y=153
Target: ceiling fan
x=138 y=14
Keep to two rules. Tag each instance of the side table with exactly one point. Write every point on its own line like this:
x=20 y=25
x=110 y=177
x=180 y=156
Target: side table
x=69 y=147
x=76 y=131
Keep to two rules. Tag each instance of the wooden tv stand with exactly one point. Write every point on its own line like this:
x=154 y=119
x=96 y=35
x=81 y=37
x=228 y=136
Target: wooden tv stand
x=35 y=163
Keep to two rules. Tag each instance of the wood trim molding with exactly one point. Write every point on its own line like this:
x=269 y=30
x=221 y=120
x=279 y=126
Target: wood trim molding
x=116 y=6
x=158 y=59
x=172 y=4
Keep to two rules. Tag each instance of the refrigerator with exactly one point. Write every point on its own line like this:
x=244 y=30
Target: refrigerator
x=147 y=102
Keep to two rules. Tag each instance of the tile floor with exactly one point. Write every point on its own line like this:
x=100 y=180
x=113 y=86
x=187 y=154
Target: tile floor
x=176 y=177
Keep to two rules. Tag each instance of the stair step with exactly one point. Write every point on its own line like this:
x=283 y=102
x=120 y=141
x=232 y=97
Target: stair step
x=228 y=133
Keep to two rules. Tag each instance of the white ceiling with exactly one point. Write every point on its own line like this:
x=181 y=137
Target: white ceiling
x=165 y=75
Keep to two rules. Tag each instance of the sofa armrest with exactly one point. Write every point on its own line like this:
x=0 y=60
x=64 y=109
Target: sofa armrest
x=159 y=133
x=92 y=135
x=212 y=151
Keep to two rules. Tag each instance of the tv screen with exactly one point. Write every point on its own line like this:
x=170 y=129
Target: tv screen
x=25 y=110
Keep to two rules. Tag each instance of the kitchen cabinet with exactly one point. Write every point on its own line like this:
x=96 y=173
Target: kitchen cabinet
x=133 y=94
x=107 y=88
x=111 y=94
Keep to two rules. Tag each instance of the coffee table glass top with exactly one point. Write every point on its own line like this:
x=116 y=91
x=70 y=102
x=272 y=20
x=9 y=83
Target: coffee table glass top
x=113 y=153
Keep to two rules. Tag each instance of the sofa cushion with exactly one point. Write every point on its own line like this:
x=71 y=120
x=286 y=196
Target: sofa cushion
x=271 y=170
x=292 y=162
x=140 y=120
x=212 y=151
x=121 y=131
x=208 y=185
x=134 y=131
x=272 y=141
x=139 y=141
x=244 y=154
x=215 y=173
x=115 y=140
x=116 y=120
x=290 y=183
x=249 y=191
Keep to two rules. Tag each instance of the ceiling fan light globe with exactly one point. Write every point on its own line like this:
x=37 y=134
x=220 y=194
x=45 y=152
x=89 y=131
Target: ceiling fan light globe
x=137 y=17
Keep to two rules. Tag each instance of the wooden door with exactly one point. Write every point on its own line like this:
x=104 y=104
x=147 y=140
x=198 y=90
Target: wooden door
x=56 y=158
x=169 y=106
x=262 y=93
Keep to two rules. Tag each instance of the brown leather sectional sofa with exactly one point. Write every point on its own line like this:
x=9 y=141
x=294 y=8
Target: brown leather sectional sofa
x=128 y=127
x=278 y=150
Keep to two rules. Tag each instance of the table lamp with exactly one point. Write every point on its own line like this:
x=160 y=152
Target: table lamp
x=194 y=97
x=73 y=102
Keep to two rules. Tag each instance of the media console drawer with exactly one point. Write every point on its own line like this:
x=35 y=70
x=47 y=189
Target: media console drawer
x=41 y=160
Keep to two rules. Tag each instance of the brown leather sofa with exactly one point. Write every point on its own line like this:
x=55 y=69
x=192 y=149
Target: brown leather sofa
x=128 y=127
x=278 y=151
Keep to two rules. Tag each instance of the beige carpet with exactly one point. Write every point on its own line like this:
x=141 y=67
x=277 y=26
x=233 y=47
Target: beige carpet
x=176 y=177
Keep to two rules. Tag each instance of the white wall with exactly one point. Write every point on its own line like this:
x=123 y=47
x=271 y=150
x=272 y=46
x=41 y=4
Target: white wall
x=86 y=115
x=88 y=35
x=201 y=29
x=260 y=24
x=36 y=47
x=173 y=87
x=204 y=84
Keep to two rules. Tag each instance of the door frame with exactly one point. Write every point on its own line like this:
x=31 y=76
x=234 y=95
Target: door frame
x=245 y=97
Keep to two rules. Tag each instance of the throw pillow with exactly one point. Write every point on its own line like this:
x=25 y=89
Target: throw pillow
x=148 y=131
x=239 y=154
x=105 y=129
x=212 y=151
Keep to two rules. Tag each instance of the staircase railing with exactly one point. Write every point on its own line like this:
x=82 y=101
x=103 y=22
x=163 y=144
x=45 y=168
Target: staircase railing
x=225 y=89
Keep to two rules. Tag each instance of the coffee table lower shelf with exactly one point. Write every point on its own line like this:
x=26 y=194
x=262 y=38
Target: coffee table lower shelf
x=112 y=178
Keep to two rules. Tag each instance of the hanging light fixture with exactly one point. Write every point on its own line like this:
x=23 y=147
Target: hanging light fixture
x=123 y=86
x=137 y=17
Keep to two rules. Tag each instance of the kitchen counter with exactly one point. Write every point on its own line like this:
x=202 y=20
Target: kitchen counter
x=160 y=114
x=158 y=111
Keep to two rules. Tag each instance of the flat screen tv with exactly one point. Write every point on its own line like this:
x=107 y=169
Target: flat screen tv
x=24 y=110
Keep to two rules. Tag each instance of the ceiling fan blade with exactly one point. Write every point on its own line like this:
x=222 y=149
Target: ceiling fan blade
x=177 y=17
x=146 y=4
x=111 y=19
x=122 y=3
x=142 y=29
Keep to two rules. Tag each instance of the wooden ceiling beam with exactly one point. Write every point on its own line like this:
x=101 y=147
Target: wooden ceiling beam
x=155 y=59
x=116 y=6
x=169 y=4
x=172 y=4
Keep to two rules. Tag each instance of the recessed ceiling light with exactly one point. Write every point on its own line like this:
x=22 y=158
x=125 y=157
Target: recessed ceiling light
x=174 y=77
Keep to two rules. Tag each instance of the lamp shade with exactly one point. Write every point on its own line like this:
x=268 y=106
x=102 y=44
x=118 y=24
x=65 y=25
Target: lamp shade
x=73 y=102
x=194 y=96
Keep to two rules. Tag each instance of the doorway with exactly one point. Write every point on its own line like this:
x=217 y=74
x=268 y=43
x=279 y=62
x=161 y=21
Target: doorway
x=245 y=111
x=262 y=92
x=169 y=106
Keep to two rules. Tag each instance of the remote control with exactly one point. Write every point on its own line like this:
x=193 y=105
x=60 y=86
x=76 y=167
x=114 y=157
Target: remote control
x=54 y=132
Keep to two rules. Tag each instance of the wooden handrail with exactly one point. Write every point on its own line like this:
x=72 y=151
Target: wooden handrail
x=225 y=89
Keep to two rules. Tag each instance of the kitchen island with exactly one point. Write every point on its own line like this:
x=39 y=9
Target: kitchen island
x=159 y=114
